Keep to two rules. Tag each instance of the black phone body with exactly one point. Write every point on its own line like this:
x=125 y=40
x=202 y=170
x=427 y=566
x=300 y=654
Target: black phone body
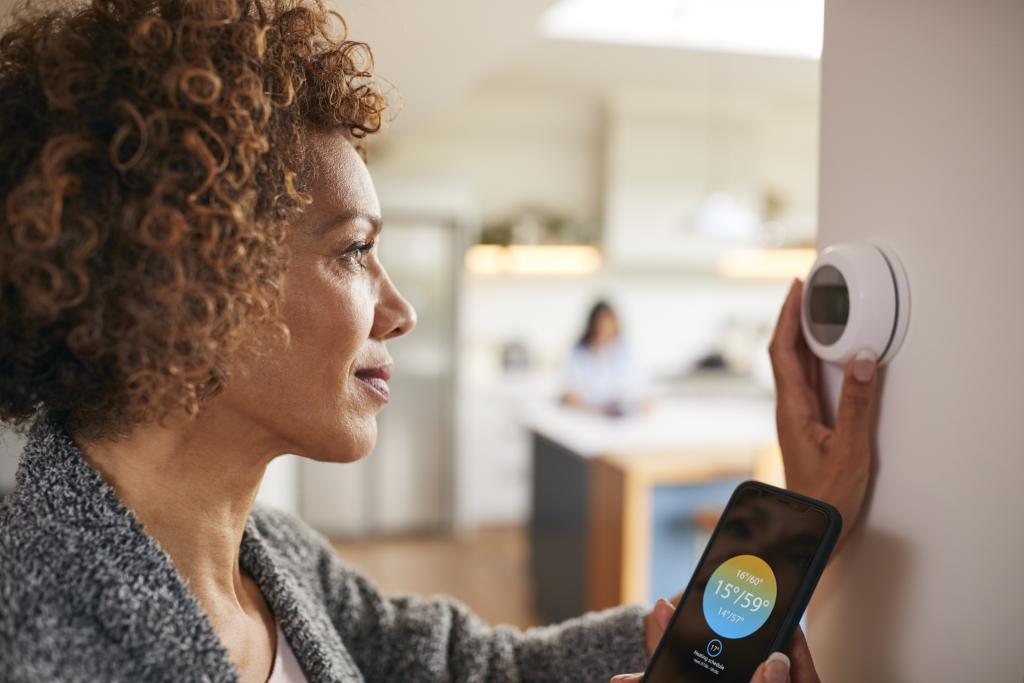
x=750 y=588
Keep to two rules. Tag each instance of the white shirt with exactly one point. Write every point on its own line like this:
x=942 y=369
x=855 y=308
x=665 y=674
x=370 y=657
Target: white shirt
x=286 y=667
x=604 y=377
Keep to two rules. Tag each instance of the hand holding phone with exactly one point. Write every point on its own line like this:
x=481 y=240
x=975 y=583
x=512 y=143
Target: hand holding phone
x=749 y=590
x=796 y=667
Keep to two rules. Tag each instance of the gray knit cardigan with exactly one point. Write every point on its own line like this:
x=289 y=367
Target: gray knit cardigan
x=87 y=595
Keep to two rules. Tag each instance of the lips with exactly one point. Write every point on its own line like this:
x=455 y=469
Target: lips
x=377 y=379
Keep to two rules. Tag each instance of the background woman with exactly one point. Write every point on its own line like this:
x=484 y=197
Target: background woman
x=600 y=373
x=192 y=287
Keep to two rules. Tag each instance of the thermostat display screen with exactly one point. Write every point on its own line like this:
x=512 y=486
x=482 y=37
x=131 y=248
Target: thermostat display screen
x=830 y=304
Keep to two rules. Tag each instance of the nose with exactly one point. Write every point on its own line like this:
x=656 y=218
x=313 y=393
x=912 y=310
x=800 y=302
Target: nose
x=394 y=315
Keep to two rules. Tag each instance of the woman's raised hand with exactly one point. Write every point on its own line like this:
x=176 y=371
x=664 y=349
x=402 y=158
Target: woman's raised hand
x=829 y=463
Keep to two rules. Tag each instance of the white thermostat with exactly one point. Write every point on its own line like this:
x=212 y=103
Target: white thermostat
x=856 y=298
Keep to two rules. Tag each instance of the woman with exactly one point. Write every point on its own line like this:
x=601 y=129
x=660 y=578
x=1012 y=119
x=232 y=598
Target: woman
x=600 y=374
x=191 y=287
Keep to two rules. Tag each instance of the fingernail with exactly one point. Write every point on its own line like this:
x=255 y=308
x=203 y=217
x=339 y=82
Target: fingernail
x=776 y=669
x=622 y=678
x=663 y=610
x=864 y=366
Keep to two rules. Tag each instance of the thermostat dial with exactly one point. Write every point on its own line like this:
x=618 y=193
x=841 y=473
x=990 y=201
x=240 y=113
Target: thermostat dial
x=856 y=298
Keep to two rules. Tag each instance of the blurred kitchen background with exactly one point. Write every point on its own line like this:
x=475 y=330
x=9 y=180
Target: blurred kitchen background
x=657 y=154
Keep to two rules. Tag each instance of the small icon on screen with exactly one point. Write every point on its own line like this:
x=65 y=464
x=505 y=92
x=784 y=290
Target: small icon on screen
x=715 y=647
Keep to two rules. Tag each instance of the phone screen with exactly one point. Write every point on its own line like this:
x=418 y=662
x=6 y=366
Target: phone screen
x=746 y=585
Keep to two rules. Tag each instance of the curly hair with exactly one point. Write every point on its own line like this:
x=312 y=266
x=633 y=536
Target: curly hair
x=153 y=156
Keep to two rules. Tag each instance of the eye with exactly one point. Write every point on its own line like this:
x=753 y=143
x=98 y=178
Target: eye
x=355 y=254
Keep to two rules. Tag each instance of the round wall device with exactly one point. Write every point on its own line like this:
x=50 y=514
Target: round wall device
x=856 y=298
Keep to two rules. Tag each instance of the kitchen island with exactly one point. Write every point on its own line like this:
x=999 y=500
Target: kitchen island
x=621 y=505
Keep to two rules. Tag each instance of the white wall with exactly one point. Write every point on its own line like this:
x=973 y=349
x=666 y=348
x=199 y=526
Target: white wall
x=11 y=445
x=922 y=139
x=280 y=485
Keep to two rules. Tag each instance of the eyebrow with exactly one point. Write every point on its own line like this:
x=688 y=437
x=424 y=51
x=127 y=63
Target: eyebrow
x=349 y=216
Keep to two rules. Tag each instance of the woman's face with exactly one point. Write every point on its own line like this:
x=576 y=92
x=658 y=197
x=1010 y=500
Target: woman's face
x=320 y=397
x=606 y=328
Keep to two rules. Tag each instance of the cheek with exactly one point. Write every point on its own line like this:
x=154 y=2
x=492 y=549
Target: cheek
x=330 y=322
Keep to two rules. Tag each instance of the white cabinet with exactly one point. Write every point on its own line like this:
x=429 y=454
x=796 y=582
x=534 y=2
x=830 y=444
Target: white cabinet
x=667 y=155
x=493 y=447
x=494 y=453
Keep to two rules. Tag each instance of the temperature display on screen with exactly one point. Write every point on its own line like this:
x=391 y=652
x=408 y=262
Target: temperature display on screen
x=739 y=597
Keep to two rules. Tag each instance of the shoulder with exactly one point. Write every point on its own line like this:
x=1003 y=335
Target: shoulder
x=34 y=556
x=44 y=629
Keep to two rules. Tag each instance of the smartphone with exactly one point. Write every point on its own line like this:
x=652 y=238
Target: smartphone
x=750 y=588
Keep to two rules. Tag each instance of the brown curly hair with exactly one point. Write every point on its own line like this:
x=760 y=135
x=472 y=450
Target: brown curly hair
x=153 y=155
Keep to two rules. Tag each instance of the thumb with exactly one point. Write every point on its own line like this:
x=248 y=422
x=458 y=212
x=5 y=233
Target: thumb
x=663 y=611
x=857 y=398
x=774 y=670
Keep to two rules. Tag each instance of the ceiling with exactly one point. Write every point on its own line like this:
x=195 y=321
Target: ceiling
x=601 y=67
x=433 y=51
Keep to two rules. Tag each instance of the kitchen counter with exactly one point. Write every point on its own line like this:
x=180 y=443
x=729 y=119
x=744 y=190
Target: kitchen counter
x=675 y=425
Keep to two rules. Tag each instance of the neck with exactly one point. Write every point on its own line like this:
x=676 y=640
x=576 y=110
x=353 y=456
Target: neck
x=192 y=486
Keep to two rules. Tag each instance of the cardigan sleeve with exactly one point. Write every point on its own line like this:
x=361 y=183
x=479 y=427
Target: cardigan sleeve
x=439 y=639
x=412 y=639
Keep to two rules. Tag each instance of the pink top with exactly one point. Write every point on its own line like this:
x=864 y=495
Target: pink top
x=286 y=667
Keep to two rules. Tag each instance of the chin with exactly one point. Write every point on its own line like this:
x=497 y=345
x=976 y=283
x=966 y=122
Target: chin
x=352 y=442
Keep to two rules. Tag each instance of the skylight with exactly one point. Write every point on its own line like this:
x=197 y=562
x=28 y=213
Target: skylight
x=780 y=28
